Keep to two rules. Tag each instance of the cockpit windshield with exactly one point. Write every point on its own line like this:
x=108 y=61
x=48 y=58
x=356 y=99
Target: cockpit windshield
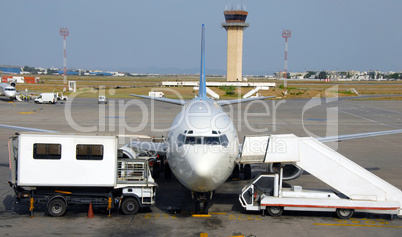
x=193 y=140
x=207 y=140
x=211 y=140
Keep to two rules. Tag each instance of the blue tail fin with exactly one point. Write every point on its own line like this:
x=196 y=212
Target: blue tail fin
x=202 y=93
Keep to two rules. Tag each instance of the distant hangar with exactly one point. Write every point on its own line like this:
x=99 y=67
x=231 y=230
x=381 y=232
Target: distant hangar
x=10 y=69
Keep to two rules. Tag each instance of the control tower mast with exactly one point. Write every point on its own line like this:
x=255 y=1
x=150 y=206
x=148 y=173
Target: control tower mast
x=234 y=25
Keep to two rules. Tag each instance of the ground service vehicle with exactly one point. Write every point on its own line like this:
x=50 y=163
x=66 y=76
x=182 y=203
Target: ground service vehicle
x=265 y=192
x=50 y=98
x=102 y=99
x=61 y=96
x=357 y=189
x=156 y=94
x=71 y=169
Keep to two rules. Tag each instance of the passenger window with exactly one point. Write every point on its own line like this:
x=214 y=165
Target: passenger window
x=47 y=151
x=89 y=152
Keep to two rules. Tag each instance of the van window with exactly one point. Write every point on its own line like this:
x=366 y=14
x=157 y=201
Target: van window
x=47 y=151
x=89 y=152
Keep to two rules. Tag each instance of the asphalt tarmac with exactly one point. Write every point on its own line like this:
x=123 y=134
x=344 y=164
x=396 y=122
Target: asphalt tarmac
x=380 y=155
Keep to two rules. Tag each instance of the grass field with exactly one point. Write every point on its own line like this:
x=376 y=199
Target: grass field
x=121 y=87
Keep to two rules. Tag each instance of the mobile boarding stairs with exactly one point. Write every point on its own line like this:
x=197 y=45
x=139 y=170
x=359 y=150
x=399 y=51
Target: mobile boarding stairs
x=357 y=189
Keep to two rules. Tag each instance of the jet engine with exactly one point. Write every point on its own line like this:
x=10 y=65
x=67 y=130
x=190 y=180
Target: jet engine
x=289 y=171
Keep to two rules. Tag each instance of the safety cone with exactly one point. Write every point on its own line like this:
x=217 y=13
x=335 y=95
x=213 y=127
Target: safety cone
x=90 y=211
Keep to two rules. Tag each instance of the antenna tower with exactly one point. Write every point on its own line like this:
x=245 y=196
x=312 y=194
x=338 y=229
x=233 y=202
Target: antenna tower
x=286 y=34
x=64 y=32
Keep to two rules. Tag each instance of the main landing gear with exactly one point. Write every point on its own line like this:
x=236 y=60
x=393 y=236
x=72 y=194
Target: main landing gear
x=245 y=169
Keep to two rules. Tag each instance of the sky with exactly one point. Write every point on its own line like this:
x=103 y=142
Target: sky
x=153 y=36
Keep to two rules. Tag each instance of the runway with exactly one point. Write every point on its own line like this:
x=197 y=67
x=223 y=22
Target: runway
x=380 y=155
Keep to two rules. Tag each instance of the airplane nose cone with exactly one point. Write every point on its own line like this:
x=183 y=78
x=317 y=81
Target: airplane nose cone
x=208 y=170
x=10 y=94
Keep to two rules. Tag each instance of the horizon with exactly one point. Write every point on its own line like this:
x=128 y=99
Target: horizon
x=326 y=35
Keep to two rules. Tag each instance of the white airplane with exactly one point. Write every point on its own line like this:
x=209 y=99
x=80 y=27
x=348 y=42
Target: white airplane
x=202 y=144
x=8 y=91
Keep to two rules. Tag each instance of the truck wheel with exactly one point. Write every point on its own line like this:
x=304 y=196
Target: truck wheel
x=344 y=213
x=130 y=206
x=275 y=211
x=56 y=207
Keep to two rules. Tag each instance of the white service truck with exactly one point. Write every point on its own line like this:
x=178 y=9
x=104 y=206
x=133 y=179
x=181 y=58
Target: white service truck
x=156 y=94
x=78 y=169
x=50 y=98
x=266 y=192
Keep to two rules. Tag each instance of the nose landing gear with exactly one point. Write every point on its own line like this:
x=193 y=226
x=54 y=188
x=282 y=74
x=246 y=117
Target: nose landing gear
x=201 y=203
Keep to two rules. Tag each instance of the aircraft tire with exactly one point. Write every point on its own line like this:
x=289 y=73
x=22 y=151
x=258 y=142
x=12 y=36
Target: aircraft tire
x=168 y=172
x=236 y=171
x=247 y=172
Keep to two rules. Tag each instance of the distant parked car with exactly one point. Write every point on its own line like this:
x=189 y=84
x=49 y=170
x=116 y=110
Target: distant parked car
x=102 y=99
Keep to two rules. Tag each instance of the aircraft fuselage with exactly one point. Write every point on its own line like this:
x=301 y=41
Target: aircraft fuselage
x=203 y=145
x=7 y=91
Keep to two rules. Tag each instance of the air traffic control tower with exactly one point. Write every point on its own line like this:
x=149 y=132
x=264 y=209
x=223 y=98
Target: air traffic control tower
x=234 y=25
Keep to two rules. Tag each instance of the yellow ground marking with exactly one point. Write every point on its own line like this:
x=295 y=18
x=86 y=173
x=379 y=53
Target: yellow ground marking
x=31 y=112
x=203 y=215
x=218 y=213
x=204 y=235
x=12 y=103
x=387 y=226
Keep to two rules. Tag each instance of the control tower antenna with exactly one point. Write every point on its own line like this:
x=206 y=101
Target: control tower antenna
x=286 y=34
x=234 y=25
x=64 y=33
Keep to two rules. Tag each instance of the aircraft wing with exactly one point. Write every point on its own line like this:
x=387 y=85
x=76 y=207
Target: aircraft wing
x=236 y=101
x=167 y=100
x=26 y=128
x=330 y=138
x=357 y=135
